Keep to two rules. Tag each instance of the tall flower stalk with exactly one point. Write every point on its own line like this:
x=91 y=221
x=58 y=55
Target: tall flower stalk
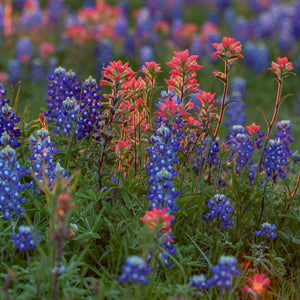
x=229 y=52
x=281 y=68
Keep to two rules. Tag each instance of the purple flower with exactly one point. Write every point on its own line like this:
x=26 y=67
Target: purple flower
x=43 y=166
x=24 y=240
x=14 y=70
x=23 y=49
x=275 y=160
x=267 y=230
x=223 y=273
x=198 y=281
x=9 y=132
x=10 y=186
x=135 y=270
x=219 y=207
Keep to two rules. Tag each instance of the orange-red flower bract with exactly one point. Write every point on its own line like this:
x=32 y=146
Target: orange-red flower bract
x=152 y=218
x=253 y=128
x=258 y=282
x=281 y=67
x=228 y=49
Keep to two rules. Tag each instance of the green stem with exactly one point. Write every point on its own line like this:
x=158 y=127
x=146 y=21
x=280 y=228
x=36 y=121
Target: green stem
x=276 y=109
x=223 y=100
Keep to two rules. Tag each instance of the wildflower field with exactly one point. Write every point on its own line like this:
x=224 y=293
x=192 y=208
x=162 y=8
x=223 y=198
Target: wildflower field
x=149 y=149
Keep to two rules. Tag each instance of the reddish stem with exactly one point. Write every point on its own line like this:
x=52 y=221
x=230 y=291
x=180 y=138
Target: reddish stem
x=223 y=100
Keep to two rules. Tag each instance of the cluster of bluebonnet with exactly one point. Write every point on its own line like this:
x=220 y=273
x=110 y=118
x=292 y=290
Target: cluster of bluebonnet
x=160 y=168
x=43 y=166
x=207 y=152
x=241 y=146
x=267 y=230
x=24 y=239
x=73 y=106
x=222 y=276
x=9 y=132
x=275 y=160
x=271 y=20
x=284 y=129
x=11 y=188
x=219 y=207
x=135 y=270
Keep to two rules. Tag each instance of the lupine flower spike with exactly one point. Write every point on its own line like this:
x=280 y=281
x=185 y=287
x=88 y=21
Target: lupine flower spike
x=135 y=270
x=24 y=240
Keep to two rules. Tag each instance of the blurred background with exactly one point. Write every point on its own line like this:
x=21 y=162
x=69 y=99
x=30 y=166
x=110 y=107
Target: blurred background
x=84 y=35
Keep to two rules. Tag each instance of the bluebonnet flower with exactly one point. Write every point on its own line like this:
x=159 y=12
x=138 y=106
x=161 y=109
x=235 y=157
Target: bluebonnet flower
x=145 y=33
x=62 y=84
x=160 y=169
x=208 y=152
x=8 y=121
x=252 y=173
x=223 y=273
x=104 y=54
x=23 y=49
x=129 y=46
x=90 y=110
x=135 y=270
x=55 y=9
x=213 y=152
x=266 y=25
x=239 y=84
x=275 y=160
x=32 y=16
x=284 y=128
x=257 y=57
x=10 y=186
x=146 y=54
x=75 y=106
x=242 y=147
x=198 y=281
x=286 y=42
x=66 y=116
x=52 y=64
x=219 y=207
x=37 y=71
x=267 y=230
x=14 y=70
x=234 y=112
x=24 y=240
x=170 y=249
x=240 y=28
x=42 y=149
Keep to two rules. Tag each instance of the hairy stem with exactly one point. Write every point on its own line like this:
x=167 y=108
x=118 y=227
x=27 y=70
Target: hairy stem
x=226 y=72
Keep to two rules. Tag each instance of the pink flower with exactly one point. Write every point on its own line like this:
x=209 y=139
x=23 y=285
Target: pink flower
x=46 y=49
x=228 y=49
x=258 y=282
x=252 y=129
x=282 y=67
x=152 y=218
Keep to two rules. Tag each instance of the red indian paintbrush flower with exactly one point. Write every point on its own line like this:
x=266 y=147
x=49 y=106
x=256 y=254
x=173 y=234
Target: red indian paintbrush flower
x=282 y=67
x=152 y=218
x=183 y=74
x=253 y=128
x=116 y=72
x=228 y=50
x=258 y=282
